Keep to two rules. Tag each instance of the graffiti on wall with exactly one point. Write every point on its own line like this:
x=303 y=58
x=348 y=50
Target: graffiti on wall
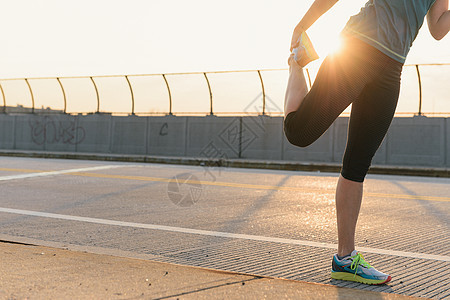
x=53 y=130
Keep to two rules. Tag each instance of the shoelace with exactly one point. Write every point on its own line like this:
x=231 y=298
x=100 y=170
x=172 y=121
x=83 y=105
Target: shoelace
x=358 y=259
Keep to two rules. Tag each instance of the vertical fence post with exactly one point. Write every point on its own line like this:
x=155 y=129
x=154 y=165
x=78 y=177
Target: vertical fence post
x=98 y=95
x=132 y=95
x=64 y=94
x=420 y=90
x=210 y=95
x=263 y=93
x=170 y=95
x=32 y=96
x=309 y=78
x=4 y=98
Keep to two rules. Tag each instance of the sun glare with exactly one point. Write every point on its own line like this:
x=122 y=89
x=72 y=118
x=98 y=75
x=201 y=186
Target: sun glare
x=335 y=47
x=327 y=45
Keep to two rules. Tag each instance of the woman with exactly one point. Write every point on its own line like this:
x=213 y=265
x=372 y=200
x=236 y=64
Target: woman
x=366 y=74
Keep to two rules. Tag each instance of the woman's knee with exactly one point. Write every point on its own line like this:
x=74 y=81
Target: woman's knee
x=298 y=141
x=295 y=135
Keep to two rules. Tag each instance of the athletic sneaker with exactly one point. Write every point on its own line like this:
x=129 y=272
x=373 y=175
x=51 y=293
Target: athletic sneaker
x=354 y=268
x=307 y=53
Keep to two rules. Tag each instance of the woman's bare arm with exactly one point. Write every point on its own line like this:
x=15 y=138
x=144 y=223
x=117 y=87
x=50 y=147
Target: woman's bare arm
x=438 y=19
x=317 y=9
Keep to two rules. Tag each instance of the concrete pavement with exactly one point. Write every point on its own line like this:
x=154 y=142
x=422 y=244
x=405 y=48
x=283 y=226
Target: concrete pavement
x=276 y=224
x=36 y=272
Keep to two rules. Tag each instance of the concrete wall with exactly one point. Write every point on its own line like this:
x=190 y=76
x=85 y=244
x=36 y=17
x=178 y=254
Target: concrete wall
x=95 y=134
x=167 y=136
x=212 y=137
x=129 y=135
x=262 y=138
x=417 y=141
x=7 y=132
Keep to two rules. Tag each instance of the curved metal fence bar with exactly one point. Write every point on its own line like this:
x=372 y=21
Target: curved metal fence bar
x=170 y=95
x=32 y=96
x=64 y=94
x=132 y=94
x=263 y=93
x=420 y=90
x=4 y=98
x=97 y=93
x=210 y=96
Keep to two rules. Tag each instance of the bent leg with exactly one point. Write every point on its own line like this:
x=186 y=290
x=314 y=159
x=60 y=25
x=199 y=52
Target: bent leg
x=339 y=82
x=296 y=88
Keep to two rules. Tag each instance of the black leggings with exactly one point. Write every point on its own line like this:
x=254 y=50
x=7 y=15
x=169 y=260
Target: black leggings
x=359 y=75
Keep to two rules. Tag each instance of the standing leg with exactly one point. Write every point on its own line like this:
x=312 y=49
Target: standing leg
x=371 y=116
x=370 y=119
x=348 y=202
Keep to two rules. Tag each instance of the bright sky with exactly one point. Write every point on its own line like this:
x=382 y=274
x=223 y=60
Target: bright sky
x=49 y=38
x=94 y=37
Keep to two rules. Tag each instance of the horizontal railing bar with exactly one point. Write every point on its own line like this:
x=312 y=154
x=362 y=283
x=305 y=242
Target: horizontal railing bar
x=142 y=75
x=185 y=73
x=220 y=114
x=230 y=113
x=435 y=64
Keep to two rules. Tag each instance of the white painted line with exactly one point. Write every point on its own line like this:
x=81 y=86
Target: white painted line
x=52 y=173
x=221 y=234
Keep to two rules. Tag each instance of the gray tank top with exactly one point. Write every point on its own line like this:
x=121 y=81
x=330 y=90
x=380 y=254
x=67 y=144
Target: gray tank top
x=391 y=26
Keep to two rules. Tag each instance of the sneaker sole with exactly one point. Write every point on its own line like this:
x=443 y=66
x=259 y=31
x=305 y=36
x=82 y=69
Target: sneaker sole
x=357 y=278
x=310 y=52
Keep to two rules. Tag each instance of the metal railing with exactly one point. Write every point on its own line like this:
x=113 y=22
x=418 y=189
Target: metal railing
x=169 y=92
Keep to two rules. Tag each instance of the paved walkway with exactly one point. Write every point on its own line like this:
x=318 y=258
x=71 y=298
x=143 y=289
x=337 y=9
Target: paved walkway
x=36 y=272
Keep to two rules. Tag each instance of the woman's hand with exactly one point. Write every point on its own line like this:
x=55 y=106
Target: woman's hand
x=317 y=9
x=296 y=37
